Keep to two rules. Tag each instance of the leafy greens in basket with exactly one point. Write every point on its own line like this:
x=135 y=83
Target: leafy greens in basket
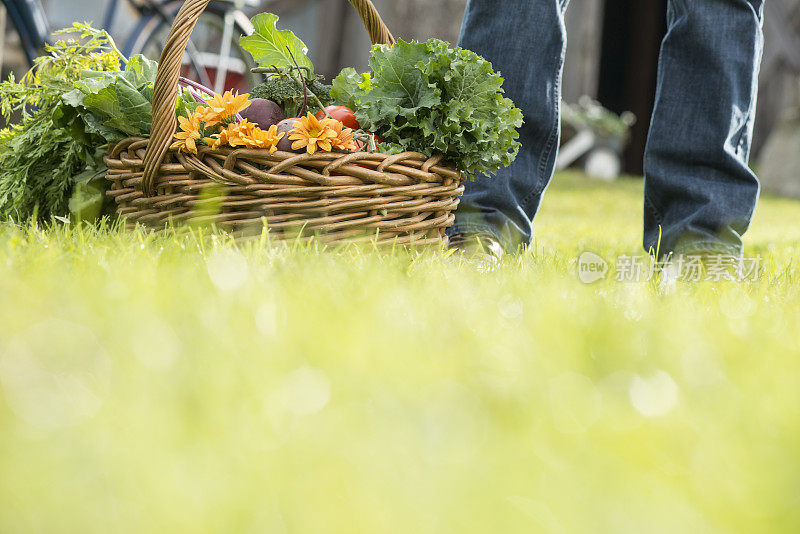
x=430 y=98
x=74 y=104
x=44 y=157
x=115 y=104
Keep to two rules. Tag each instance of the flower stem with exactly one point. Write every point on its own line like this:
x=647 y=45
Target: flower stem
x=199 y=87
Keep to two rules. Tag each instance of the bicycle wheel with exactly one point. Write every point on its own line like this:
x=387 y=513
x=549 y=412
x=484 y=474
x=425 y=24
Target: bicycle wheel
x=213 y=56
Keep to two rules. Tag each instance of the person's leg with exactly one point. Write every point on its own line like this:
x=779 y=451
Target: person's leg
x=699 y=193
x=524 y=40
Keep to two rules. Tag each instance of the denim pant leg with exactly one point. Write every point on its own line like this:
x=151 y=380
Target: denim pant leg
x=699 y=191
x=525 y=40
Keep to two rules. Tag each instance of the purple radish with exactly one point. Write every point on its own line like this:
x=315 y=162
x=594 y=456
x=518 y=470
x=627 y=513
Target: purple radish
x=286 y=126
x=263 y=113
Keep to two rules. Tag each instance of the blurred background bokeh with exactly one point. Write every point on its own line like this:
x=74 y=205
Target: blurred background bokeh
x=612 y=58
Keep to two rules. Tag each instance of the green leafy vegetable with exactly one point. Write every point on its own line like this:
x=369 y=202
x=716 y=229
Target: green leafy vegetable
x=121 y=99
x=430 y=98
x=41 y=157
x=271 y=47
x=37 y=163
x=349 y=86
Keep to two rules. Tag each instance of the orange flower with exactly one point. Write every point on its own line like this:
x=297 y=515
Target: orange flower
x=344 y=136
x=311 y=134
x=235 y=134
x=246 y=134
x=218 y=139
x=265 y=138
x=189 y=135
x=227 y=105
x=207 y=115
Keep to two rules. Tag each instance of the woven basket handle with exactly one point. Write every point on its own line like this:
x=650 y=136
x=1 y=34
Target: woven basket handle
x=165 y=91
x=376 y=28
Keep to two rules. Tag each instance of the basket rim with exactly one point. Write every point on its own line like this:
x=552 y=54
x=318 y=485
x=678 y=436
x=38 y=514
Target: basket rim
x=321 y=168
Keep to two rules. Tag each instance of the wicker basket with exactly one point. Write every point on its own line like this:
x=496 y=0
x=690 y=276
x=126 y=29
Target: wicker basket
x=405 y=198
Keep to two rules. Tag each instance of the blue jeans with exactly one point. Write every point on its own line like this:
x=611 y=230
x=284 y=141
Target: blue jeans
x=699 y=192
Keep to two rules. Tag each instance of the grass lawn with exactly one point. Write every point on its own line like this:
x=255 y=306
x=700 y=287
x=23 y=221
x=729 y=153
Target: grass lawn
x=165 y=384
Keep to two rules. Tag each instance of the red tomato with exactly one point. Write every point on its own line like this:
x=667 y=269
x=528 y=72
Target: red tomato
x=341 y=113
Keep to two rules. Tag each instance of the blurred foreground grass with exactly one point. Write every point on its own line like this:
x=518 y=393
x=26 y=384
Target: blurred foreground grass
x=163 y=384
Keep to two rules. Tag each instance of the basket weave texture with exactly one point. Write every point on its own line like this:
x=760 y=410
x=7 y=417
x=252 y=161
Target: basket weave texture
x=405 y=198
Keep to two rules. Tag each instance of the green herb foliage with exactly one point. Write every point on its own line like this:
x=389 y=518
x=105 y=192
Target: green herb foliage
x=41 y=156
x=54 y=73
x=37 y=163
x=430 y=98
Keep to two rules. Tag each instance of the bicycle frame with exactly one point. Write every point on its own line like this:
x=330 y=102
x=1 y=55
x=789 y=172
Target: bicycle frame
x=30 y=21
x=143 y=8
x=158 y=8
x=111 y=12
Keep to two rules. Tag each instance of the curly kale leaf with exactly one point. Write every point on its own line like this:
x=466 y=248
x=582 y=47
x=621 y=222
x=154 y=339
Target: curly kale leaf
x=430 y=98
x=349 y=85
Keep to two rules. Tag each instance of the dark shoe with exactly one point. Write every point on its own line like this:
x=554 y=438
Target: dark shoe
x=483 y=246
